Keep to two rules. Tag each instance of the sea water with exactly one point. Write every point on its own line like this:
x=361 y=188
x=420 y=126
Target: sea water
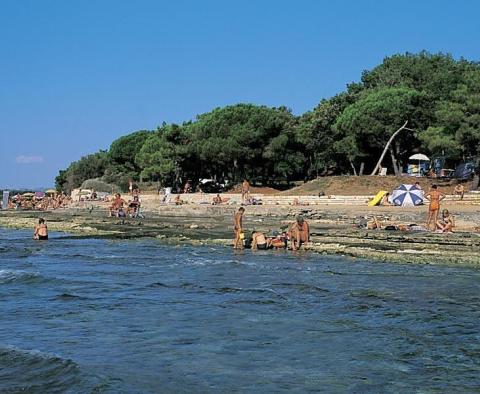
x=138 y=316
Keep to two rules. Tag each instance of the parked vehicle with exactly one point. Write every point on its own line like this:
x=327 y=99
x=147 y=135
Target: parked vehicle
x=211 y=186
x=465 y=171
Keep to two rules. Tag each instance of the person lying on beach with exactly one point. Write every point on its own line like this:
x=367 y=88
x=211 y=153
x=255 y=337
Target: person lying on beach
x=296 y=201
x=259 y=241
x=373 y=224
x=178 y=200
x=446 y=223
x=117 y=203
x=217 y=200
x=238 y=229
x=40 y=232
x=252 y=201
x=384 y=201
x=299 y=233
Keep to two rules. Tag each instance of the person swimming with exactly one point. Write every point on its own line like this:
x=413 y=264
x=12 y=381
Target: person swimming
x=40 y=231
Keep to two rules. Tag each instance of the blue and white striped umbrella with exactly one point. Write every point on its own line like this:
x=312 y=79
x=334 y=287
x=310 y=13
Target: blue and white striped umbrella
x=407 y=196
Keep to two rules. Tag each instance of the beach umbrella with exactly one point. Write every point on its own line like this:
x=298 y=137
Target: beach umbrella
x=419 y=157
x=407 y=196
x=39 y=195
x=28 y=194
x=51 y=191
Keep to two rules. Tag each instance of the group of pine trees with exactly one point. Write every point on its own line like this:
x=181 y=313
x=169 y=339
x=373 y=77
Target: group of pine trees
x=438 y=95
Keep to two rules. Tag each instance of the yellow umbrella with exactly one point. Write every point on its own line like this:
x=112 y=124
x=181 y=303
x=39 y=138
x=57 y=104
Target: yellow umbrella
x=51 y=191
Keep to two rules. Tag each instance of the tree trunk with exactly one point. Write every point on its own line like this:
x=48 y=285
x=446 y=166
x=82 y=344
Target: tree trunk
x=394 y=162
x=386 y=147
x=353 y=167
x=362 y=167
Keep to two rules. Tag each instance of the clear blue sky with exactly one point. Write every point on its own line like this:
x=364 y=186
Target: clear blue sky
x=75 y=75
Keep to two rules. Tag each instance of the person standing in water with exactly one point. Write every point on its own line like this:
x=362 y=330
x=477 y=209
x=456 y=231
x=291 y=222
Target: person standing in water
x=434 y=196
x=238 y=229
x=40 y=231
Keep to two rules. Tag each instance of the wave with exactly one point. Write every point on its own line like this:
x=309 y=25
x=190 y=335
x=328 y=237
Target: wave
x=35 y=371
x=9 y=276
x=69 y=297
x=250 y=290
x=303 y=287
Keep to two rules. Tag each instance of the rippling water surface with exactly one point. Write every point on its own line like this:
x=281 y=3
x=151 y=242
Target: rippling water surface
x=138 y=317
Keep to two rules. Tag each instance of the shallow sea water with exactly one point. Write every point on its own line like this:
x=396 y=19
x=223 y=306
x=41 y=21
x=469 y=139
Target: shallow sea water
x=89 y=315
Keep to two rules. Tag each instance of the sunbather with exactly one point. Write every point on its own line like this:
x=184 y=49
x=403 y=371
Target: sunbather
x=446 y=223
x=117 y=203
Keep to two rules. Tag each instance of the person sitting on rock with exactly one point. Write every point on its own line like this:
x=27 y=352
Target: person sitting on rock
x=259 y=241
x=459 y=190
x=299 y=233
x=117 y=203
x=446 y=223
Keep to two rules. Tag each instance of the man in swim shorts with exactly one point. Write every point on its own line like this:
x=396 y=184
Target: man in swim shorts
x=40 y=231
x=299 y=233
x=434 y=196
x=259 y=241
x=238 y=229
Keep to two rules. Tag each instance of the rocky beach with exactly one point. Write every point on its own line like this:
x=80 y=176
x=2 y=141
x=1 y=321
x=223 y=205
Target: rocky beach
x=334 y=227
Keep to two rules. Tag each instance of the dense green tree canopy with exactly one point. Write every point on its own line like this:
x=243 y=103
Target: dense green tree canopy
x=88 y=167
x=438 y=95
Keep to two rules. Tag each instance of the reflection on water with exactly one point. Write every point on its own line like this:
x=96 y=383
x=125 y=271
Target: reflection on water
x=137 y=316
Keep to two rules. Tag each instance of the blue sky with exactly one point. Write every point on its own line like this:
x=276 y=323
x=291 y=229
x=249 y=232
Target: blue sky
x=75 y=75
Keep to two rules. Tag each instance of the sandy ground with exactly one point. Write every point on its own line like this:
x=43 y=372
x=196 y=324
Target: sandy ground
x=367 y=185
x=333 y=228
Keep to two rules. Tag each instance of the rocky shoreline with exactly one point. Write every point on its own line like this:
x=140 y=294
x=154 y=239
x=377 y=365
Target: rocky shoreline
x=333 y=230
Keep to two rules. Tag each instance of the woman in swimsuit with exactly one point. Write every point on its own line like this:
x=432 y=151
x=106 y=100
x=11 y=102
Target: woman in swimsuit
x=447 y=223
x=434 y=196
